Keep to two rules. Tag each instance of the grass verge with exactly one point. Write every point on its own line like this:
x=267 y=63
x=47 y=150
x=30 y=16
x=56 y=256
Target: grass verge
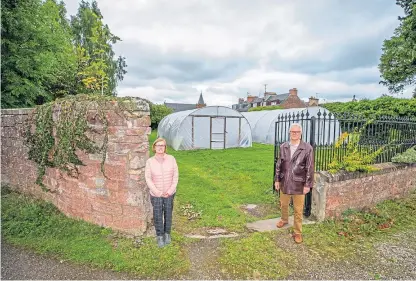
x=40 y=226
x=255 y=257
x=341 y=237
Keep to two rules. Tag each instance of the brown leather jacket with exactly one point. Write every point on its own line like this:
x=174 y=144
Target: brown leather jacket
x=296 y=173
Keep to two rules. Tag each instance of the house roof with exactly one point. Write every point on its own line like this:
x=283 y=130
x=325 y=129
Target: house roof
x=180 y=106
x=281 y=97
x=257 y=100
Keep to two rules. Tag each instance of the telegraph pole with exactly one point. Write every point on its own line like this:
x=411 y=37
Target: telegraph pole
x=265 y=87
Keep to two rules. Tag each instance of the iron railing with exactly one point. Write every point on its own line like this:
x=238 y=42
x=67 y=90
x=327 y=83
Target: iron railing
x=329 y=134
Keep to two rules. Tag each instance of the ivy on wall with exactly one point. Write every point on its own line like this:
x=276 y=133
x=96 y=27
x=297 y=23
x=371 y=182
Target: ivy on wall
x=58 y=129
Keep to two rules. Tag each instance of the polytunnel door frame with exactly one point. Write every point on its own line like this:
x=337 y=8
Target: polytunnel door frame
x=281 y=129
x=225 y=128
x=217 y=134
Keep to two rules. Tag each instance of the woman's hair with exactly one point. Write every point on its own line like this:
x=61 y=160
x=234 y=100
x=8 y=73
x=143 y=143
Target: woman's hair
x=159 y=140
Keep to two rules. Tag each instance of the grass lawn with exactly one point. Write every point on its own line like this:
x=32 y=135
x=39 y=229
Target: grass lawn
x=216 y=183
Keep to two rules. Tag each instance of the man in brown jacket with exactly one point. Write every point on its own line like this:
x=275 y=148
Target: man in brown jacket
x=294 y=177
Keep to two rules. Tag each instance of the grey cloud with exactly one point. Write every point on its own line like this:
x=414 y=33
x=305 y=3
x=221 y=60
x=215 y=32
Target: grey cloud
x=331 y=19
x=354 y=76
x=327 y=96
x=323 y=19
x=146 y=63
x=357 y=53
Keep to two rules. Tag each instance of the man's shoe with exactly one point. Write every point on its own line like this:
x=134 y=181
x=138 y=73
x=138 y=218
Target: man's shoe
x=160 y=241
x=167 y=238
x=298 y=238
x=281 y=223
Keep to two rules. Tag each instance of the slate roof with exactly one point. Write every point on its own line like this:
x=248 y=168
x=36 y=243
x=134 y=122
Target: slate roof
x=180 y=106
x=185 y=106
x=257 y=100
x=281 y=97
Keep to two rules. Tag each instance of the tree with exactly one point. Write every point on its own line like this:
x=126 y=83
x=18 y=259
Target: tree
x=398 y=61
x=37 y=58
x=98 y=69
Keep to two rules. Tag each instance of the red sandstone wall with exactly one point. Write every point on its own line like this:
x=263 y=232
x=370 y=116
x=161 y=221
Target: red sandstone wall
x=334 y=194
x=120 y=200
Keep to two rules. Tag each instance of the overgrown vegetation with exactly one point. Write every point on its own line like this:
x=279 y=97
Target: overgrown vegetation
x=409 y=156
x=382 y=106
x=45 y=56
x=261 y=108
x=60 y=128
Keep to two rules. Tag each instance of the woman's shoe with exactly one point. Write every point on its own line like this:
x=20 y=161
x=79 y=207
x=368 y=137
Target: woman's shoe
x=160 y=241
x=167 y=238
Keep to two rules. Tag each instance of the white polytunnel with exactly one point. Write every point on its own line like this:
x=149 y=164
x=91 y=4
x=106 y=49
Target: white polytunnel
x=263 y=125
x=211 y=127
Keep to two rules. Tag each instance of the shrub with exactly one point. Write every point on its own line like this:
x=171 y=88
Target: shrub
x=157 y=113
x=409 y=156
x=356 y=158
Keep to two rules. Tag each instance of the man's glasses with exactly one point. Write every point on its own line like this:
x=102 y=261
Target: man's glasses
x=295 y=132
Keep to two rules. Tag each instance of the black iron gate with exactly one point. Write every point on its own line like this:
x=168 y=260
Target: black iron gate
x=282 y=127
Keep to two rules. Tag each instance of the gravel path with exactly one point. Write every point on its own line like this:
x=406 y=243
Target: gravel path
x=388 y=260
x=394 y=259
x=203 y=256
x=22 y=264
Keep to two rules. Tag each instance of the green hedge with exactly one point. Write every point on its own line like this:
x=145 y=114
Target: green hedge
x=385 y=105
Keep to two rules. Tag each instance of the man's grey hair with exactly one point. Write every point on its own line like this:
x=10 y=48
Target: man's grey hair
x=297 y=125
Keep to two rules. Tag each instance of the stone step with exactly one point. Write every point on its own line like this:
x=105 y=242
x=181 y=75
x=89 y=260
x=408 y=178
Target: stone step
x=198 y=236
x=270 y=224
x=213 y=233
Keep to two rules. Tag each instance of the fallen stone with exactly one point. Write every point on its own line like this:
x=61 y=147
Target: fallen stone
x=215 y=231
x=251 y=206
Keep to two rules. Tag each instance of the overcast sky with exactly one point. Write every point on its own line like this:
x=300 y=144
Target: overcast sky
x=226 y=48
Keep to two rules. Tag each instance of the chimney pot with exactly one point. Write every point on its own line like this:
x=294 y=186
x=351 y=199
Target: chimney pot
x=293 y=92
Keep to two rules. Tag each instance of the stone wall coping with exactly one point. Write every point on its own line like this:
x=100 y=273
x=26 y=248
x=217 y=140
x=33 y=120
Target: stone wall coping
x=16 y=111
x=142 y=107
x=383 y=168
